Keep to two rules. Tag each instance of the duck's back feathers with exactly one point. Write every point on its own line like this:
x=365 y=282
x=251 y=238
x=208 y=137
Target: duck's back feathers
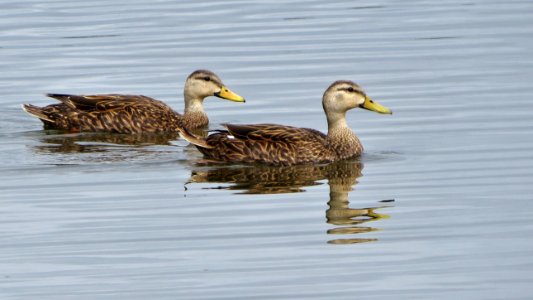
x=265 y=143
x=274 y=133
x=109 y=112
x=108 y=102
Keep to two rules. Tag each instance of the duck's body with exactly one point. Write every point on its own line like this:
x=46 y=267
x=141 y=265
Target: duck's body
x=278 y=144
x=110 y=113
x=133 y=113
x=287 y=145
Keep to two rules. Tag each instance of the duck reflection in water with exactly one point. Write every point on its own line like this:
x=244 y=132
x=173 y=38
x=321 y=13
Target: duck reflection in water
x=89 y=147
x=263 y=179
x=59 y=141
x=56 y=141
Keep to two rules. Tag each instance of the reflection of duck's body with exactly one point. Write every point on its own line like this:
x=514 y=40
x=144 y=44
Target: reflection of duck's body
x=95 y=141
x=264 y=179
x=133 y=113
x=286 y=145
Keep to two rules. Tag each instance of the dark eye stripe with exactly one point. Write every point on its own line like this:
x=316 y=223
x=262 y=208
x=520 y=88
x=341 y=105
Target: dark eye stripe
x=351 y=90
x=205 y=78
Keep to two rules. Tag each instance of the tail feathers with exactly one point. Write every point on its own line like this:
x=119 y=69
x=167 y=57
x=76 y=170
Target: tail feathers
x=60 y=97
x=36 y=112
x=193 y=139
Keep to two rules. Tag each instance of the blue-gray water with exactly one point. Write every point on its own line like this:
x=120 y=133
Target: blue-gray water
x=100 y=217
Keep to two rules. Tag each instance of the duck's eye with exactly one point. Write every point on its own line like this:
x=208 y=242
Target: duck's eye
x=207 y=78
x=350 y=89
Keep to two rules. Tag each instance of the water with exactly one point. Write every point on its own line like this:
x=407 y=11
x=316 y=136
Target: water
x=92 y=216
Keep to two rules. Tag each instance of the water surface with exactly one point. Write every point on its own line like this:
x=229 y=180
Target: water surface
x=90 y=216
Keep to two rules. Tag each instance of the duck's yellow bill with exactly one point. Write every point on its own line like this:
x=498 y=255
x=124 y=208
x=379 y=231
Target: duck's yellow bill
x=227 y=94
x=374 y=106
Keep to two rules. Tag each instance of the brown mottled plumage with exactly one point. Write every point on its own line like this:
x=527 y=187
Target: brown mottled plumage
x=287 y=145
x=133 y=113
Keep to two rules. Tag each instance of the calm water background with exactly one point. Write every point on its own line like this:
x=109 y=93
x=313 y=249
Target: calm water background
x=84 y=217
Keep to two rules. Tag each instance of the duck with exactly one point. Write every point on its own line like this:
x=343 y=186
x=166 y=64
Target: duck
x=118 y=113
x=276 y=144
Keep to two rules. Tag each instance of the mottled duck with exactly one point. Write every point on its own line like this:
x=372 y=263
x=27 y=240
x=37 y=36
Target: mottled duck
x=286 y=145
x=133 y=113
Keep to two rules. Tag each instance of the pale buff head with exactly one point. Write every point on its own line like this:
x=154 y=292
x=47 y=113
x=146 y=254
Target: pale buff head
x=343 y=95
x=202 y=84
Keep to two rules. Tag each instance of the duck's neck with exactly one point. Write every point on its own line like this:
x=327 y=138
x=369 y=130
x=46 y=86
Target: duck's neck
x=341 y=138
x=193 y=104
x=194 y=115
x=337 y=122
